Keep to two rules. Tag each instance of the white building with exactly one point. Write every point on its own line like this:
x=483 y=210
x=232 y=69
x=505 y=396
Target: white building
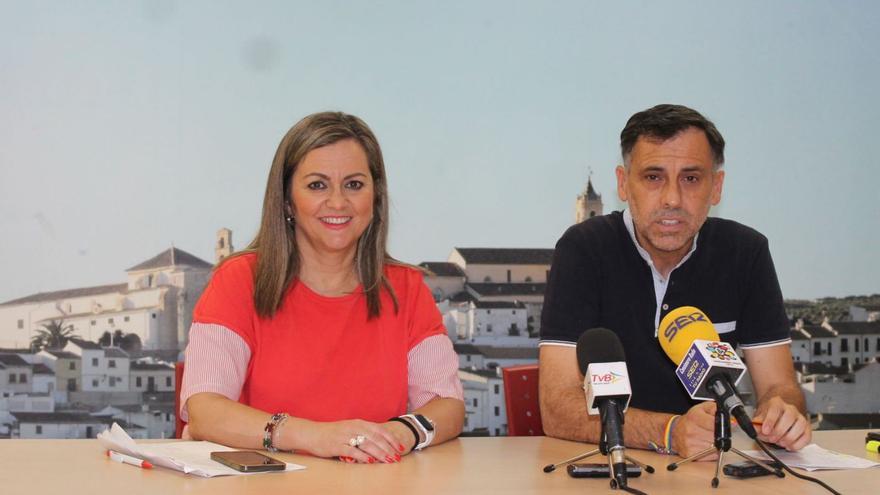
x=104 y=369
x=484 y=402
x=155 y=303
x=16 y=375
x=152 y=422
x=445 y=279
x=149 y=376
x=59 y=425
x=498 y=323
x=512 y=275
x=503 y=265
x=864 y=313
x=44 y=379
x=852 y=393
x=844 y=343
x=67 y=369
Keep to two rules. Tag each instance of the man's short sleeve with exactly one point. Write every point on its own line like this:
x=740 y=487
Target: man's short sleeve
x=571 y=301
x=762 y=319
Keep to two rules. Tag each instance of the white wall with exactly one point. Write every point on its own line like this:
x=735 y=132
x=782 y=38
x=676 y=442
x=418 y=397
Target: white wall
x=835 y=395
x=61 y=430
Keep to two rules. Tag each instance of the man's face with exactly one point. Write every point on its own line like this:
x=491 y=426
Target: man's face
x=670 y=186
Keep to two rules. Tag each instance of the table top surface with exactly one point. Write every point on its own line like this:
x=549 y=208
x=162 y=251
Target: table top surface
x=510 y=465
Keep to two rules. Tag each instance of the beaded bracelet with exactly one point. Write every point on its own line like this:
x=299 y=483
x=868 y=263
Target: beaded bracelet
x=269 y=431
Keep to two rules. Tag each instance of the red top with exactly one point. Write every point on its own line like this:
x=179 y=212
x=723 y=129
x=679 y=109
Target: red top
x=319 y=357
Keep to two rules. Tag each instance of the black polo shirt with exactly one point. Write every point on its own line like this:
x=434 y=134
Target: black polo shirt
x=599 y=279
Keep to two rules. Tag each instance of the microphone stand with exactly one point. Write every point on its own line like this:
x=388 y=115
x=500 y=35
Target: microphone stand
x=723 y=444
x=603 y=450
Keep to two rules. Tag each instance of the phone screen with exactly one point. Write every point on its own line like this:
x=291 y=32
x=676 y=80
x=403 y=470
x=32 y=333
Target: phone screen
x=248 y=461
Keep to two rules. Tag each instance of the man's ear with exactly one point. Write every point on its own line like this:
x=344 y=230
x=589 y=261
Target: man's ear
x=620 y=171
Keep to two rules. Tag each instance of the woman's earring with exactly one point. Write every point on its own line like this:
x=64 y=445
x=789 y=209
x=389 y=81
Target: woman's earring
x=289 y=219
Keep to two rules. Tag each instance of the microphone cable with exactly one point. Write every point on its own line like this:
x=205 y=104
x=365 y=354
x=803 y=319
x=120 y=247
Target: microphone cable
x=792 y=472
x=632 y=490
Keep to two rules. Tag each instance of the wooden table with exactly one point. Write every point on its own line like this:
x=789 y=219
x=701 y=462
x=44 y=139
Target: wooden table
x=511 y=465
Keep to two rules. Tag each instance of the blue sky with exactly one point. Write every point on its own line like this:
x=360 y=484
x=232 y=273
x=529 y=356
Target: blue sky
x=126 y=126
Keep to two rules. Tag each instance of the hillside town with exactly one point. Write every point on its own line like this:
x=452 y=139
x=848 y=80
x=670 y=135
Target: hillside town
x=74 y=361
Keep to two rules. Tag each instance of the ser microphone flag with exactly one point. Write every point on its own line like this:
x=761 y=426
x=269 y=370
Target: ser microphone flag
x=687 y=336
x=708 y=368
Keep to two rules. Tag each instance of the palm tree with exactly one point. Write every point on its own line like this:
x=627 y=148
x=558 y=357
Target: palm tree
x=53 y=335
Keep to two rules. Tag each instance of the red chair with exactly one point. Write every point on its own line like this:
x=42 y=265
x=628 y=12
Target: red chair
x=521 y=399
x=178 y=381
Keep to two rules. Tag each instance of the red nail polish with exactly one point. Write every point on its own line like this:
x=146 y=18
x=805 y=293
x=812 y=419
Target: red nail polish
x=371 y=460
x=400 y=447
x=388 y=459
x=397 y=457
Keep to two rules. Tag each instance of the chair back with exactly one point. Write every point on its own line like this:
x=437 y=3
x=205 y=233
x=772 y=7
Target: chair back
x=521 y=399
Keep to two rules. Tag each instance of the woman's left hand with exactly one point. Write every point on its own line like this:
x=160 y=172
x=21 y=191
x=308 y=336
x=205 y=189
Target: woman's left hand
x=402 y=434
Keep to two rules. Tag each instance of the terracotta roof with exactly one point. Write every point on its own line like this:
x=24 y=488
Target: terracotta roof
x=85 y=344
x=13 y=360
x=59 y=417
x=466 y=349
x=69 y=294
x=139 y=366
x=499 y=305
x=506 y=256
x=171 y=257
x=514 y=289
x=819 y=332
x=463 y=296
x=114 y=352
x=849 y=421
x=492 y=352
x=856 y=327
x=442 y=268
x=42 y=369
x=62 y=354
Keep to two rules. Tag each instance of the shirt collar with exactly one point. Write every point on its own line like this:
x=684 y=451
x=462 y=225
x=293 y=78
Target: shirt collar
x=630 y=227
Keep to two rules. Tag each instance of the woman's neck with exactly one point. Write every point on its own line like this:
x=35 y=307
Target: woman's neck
x=329 y=274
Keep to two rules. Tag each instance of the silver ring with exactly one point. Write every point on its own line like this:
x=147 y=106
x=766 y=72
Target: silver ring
x=357 y=441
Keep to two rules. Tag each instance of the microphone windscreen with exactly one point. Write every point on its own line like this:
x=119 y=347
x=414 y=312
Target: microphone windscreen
x=598 y=345
x=680 y=327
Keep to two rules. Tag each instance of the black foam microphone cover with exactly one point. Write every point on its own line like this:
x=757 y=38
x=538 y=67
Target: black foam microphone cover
x=598 y=345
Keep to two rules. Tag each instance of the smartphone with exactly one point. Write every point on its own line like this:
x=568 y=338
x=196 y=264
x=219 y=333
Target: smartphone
x=748 y=469
x=599 y=471
x=248 y=461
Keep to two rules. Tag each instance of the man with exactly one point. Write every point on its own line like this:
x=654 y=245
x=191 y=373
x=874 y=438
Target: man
x=626 y=271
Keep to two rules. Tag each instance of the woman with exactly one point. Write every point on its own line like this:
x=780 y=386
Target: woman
x=314 y=339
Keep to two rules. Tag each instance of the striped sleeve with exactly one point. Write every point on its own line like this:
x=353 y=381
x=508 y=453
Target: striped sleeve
x=433 y=372
x=216 y=361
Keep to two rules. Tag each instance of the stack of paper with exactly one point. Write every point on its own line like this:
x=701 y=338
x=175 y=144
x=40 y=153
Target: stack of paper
x=187 y=456
x=812 y=458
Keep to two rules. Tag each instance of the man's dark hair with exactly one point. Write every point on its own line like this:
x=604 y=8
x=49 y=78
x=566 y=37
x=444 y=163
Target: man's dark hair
x=663 y=122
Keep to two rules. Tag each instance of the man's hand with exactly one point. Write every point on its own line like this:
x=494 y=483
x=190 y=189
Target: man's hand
x=782 y=424
x=695 y=431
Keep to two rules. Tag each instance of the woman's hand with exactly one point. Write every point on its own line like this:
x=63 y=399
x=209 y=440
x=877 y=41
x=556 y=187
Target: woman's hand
x=380 y=444
x=403 y=436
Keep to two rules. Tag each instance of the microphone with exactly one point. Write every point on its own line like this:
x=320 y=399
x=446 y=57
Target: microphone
x=606 y=383
x=708 y=368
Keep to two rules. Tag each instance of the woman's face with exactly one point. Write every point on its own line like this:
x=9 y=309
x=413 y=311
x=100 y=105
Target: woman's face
x=331 y=198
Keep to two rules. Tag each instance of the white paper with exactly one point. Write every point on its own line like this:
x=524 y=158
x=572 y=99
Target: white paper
x=813 y=458
x=187 y=456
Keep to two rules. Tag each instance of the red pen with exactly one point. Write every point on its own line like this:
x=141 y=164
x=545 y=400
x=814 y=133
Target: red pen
x=127 y=459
